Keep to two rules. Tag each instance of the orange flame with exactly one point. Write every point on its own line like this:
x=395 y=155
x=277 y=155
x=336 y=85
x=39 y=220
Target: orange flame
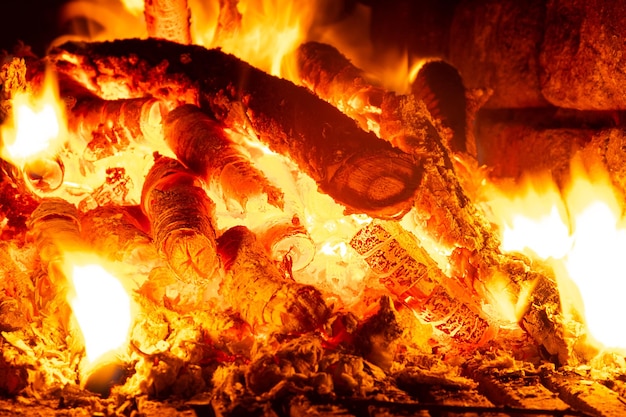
x=37 y=125
x=581 y=231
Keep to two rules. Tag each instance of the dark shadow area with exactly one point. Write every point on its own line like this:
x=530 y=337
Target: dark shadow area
x=34 y=22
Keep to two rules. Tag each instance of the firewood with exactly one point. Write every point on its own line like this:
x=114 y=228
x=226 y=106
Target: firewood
x=55 y=227
x=201 y=144
x=115 y=232
x=441 y=204
x=443 y=207
x=110 y=126
x=334 y=78
x=180 y=214
x=357 y=169
x=330 y=75
x=409 y=273
x=263 y=296
x=168 y=19
x=406 y=122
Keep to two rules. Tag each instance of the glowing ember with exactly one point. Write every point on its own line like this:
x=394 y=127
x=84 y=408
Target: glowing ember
x=582 y=234
x=102 y=308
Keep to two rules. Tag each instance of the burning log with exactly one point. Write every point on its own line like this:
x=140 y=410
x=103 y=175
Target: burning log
x=357 y=169
x=110 y=126
x=201 y=144
x=180 y=214
x=415 y=279
x=55 y=226
x=406 y=122
x=263 y=296
x=448 y=213
x=115 y=232
x=168 y=19
x=330 y=75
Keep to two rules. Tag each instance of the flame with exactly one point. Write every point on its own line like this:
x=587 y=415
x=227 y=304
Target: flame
x=37 y=124
x=581 y=232
x=102 y=308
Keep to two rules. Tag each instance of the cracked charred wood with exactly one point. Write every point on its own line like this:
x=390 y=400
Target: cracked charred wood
x=441 y=204
x=406 y=122
x=264 y=297
x=110 y=126
x=201 y=144
x=356 y=168
x=418 y=283
x=180 y=215
x=168 y=19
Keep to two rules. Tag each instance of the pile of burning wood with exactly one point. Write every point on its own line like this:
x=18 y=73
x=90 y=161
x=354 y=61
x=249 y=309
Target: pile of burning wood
x=231 y=316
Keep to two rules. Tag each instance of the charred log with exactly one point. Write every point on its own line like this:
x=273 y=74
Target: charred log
x=263 y=296
x=201 y=144
x=356 y=168
x=406 y=122
x=181 y=216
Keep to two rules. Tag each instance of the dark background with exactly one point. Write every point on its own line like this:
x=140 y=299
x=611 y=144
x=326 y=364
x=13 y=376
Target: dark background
x=411 y=24
x=35 y=22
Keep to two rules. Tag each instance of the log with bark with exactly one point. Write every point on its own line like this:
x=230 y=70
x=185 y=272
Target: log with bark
x=256 y=288
x=356 y=168
x=181 y=216
x=406 y=122
x=200 y=143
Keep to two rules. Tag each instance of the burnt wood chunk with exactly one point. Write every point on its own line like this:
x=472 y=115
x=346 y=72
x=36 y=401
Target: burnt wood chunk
x=356 y=168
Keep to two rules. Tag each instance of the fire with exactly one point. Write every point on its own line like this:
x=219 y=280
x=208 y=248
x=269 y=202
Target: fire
x=581 y=232
x=102 y=308
x=37 y=129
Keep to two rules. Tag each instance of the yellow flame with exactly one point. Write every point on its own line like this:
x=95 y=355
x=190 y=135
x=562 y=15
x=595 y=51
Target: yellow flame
x=135 y=7
x=36 y=126
x=102 y=308
x=581 y=232
x=268 y=31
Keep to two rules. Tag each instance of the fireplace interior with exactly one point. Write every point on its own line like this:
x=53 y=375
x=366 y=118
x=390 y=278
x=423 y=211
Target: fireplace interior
x=326 y=208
